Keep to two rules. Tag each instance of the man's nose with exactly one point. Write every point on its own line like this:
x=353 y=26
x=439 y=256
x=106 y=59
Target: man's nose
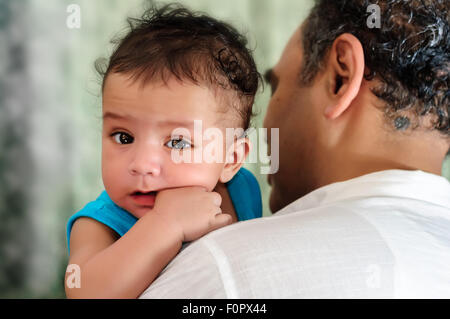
x=147 y=160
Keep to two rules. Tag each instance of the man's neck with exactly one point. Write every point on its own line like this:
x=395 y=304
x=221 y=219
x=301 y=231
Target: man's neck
x=356 y=160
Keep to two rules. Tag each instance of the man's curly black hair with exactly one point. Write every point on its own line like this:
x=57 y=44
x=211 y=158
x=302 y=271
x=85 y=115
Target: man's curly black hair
x=409 y=53
x=173 y=41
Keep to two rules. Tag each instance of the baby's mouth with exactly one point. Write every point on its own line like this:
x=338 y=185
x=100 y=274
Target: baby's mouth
x=144 y=199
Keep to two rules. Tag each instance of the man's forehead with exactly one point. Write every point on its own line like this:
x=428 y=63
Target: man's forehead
x=296 y=40
x=297 y=37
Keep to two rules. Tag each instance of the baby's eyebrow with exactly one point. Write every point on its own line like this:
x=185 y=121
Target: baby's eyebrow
x=177 y=123
x=171 y=123
x=110 y=115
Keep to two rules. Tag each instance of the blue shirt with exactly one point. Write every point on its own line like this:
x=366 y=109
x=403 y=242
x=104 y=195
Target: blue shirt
x=244 y=192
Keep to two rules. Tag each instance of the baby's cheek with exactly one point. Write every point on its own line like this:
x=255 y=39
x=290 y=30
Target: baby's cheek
x=205 y=175
x=109 y=181
x=114 y=176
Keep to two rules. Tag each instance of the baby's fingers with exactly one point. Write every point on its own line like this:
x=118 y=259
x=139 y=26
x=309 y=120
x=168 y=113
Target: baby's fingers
x=221 y=220
x=216 y=198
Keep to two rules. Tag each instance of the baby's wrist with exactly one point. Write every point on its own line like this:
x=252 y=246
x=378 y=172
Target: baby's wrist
x=170 y=226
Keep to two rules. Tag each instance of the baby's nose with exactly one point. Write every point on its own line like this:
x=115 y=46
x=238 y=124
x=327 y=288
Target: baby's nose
x=146 y=161
x=154 y=170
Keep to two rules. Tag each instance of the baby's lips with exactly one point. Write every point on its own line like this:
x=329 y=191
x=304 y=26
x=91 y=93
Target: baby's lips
x=144 y=199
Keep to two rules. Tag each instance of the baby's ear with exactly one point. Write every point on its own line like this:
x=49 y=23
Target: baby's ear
x=236 y=155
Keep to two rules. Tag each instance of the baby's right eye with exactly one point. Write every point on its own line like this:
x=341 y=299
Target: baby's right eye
x=122 y=138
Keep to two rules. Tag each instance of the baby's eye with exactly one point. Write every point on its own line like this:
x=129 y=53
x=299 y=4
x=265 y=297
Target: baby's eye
x=178 y=143
x=122 y=138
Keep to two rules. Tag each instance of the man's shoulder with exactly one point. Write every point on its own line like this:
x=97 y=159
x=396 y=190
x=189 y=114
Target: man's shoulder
x=272 y=257
x=379 y=246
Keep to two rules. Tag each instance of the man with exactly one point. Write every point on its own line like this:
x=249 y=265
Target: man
x=363 y=114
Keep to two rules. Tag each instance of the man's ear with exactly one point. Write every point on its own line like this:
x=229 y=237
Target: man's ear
x=235 y=157
x=346 y=68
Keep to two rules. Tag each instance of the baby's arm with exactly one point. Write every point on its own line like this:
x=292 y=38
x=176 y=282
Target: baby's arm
x=124 y=267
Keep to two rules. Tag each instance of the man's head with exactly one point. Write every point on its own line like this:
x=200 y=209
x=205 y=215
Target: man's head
x=350 y=99
x=172 y=68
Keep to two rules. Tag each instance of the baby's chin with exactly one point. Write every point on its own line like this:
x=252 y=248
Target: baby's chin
x=137 y=211
x=140 y=211
x=136 y=205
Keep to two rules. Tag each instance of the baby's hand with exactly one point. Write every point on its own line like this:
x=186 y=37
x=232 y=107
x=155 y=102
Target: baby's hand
x=193 y=211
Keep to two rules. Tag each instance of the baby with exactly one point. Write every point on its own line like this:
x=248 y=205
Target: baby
x=173 y=69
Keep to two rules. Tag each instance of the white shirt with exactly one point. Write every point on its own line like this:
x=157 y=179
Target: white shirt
x=381 y=235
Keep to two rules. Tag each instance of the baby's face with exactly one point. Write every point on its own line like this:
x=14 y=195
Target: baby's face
x=138 y=139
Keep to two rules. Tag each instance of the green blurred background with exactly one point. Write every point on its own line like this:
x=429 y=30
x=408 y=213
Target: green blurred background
x=50 y=125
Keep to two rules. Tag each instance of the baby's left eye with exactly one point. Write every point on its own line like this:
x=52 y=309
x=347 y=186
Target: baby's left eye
x=178 y=143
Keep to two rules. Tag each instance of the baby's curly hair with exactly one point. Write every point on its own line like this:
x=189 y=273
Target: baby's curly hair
x=172 y=41
x=409 y=53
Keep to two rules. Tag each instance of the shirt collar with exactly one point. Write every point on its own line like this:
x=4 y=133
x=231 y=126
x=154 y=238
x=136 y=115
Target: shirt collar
x=416 y=185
